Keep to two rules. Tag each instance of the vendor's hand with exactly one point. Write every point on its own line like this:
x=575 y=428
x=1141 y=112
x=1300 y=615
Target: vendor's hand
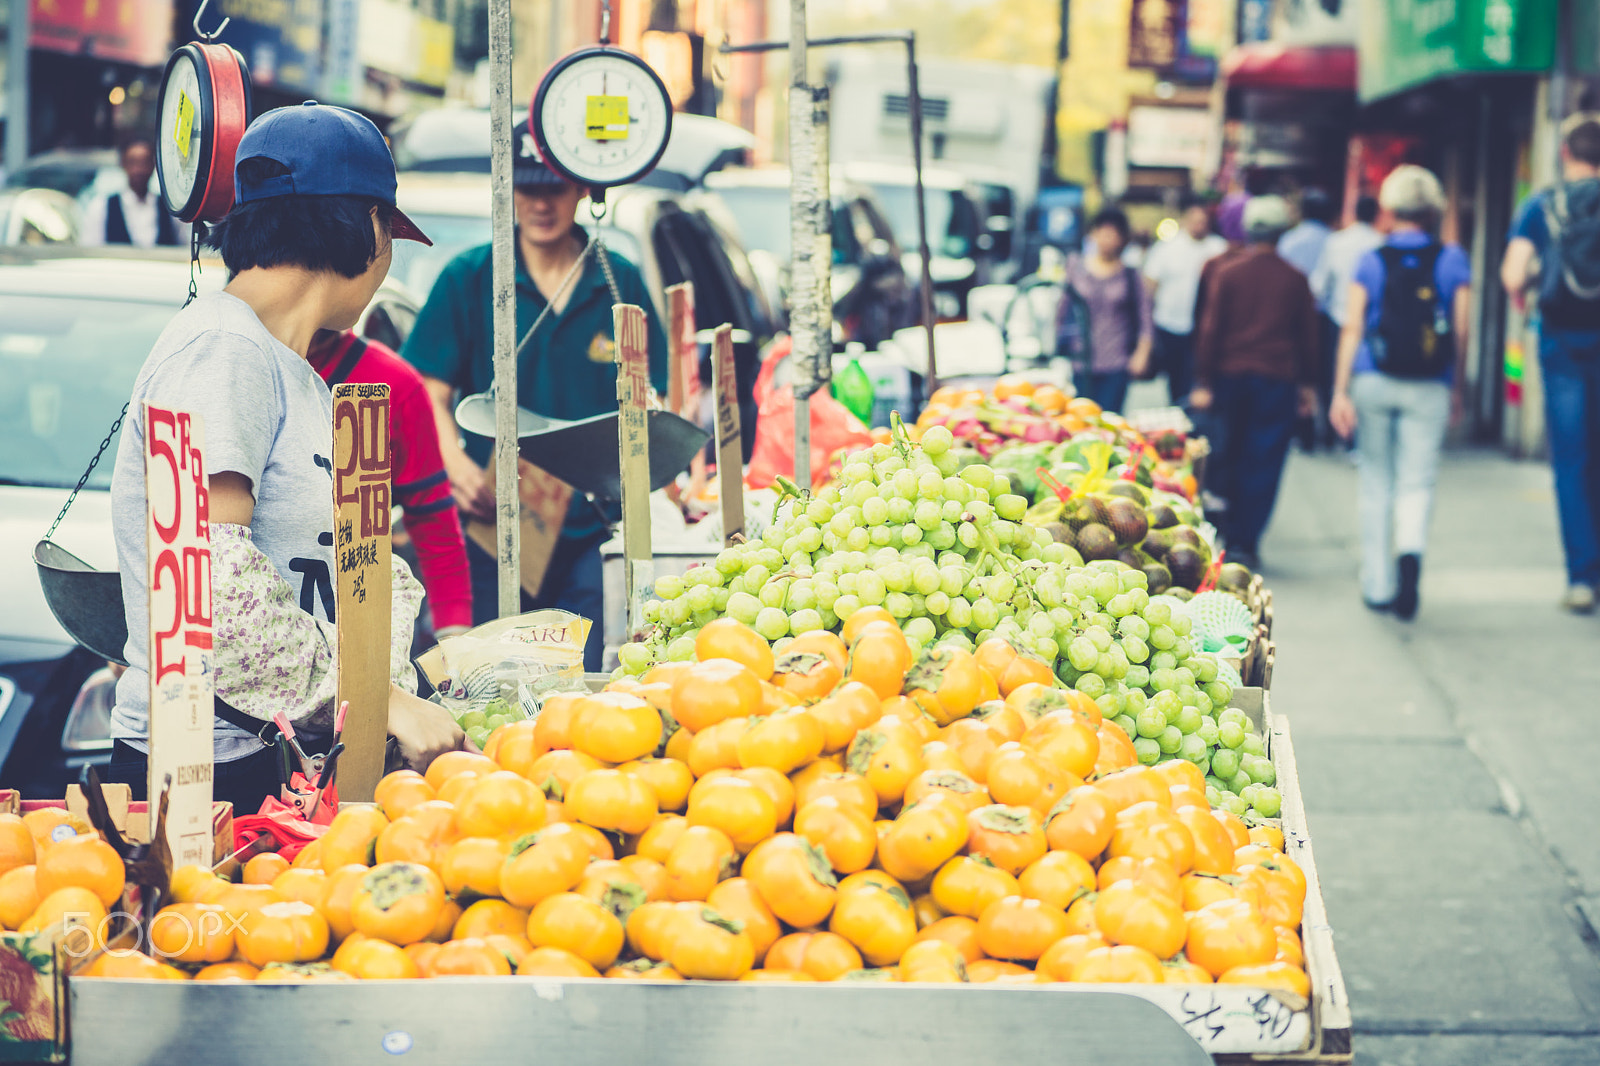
x=1307 y=402
x=1139 y=365
x=470 y=485
x=424 y=730
x=1200 y=398
x=1342 y=415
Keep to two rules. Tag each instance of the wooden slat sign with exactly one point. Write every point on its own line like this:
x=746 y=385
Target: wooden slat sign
x=633 y=432
x=684 y=390
x=730 y=451
x=361 y=503
x=178 y=554
x=545 y=499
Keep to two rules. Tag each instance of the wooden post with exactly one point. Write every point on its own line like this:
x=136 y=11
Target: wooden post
x=504 y=309
x=730 y=451
x=683 y=363
x=178 y=568
x=633 y=431
x=361 y=503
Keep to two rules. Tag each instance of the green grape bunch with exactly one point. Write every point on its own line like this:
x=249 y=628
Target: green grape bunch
x=945 y=550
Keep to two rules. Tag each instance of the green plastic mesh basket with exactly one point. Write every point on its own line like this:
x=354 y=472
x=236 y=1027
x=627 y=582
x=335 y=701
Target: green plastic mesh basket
x=1224 y=622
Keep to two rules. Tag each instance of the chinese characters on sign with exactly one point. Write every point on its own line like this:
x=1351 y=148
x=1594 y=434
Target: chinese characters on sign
x=178 y=550
x=1153 y=33
x=730 y=452
x=633 y=431
x=361 y=550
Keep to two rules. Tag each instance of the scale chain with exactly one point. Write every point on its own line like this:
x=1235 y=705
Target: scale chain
x=84 y=480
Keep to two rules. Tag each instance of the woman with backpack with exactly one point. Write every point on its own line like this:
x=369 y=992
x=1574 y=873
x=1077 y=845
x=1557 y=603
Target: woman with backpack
x=1104 y=324
x=1398 y=383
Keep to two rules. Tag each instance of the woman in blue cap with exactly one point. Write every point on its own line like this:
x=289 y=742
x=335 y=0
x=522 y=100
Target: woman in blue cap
x=306 y=244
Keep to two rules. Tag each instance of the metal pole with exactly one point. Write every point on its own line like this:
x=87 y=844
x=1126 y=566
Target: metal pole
x=17 y=86
x=803 y=295
x=504 y=319
x=915 y=100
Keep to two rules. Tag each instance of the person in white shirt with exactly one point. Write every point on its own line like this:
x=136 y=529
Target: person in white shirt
x=1172 y=272
x=134 y=215
x=1330 y=284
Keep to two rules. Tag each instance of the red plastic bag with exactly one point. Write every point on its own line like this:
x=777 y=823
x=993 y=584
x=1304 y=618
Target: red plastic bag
x=833 y=428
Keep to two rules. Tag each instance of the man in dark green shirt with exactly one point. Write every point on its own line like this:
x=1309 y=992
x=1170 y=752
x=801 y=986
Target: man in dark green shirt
x=567 y=371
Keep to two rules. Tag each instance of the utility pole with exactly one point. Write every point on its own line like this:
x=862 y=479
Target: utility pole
x=17 y=85
x=503 y=317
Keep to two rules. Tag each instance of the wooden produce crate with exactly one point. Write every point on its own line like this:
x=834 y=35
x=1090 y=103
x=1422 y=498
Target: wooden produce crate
x=518 y=1019
x=34 y=966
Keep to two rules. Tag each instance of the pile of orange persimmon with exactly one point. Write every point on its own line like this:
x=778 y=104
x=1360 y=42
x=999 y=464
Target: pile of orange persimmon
x=838 y=811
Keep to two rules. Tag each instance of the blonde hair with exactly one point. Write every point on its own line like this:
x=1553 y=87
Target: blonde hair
x=1413 y=194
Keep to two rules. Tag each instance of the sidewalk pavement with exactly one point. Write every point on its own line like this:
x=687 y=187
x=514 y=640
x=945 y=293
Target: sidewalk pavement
x=1449 y=769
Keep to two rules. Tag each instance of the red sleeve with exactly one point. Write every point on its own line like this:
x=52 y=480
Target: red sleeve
x=422 y=490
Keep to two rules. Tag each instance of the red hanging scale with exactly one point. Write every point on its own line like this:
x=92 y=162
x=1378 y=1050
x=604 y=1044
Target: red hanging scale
x=203 y=111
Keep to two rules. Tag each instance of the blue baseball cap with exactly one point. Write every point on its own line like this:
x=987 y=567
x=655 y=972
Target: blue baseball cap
x=329 y=151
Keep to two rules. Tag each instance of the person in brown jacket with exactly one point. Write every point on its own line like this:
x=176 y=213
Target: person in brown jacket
x=1256 y=357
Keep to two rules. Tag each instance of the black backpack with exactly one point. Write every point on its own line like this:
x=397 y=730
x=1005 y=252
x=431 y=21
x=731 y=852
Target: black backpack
x=1412 y=338
x=1569 y=274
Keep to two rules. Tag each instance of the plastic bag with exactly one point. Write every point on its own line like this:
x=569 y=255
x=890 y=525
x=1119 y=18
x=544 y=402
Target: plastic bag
x=503 y=670
x=833 y=428
x=853 y=388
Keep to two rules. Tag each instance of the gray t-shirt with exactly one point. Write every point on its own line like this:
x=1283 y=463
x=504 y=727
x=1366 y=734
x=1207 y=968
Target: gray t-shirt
x=268 y=416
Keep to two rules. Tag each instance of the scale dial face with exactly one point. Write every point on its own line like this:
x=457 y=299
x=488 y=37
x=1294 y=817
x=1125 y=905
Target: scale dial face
x=182 y=131
x=601 y=117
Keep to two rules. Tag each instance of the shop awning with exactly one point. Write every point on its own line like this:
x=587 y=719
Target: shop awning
x=1264 y=65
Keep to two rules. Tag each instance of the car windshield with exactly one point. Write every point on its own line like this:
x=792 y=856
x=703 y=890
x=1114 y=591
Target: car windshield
x=949 y=230
x=67 y=366
x=762 y=213
x=417 y=266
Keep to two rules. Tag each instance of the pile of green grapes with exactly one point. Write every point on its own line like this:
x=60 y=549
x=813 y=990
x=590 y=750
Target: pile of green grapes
x=944 y=549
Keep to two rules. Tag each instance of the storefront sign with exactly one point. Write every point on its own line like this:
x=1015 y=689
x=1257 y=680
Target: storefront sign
x=281 y=40
x=363 y=588
x=1169 y=136
x=138 y=32
x=178 y=553
x=397 y=40
x=1409 y=42
x=1154 y=33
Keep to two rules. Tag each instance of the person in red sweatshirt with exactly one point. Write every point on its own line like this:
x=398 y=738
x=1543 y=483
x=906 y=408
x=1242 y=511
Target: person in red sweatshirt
x=419 y=483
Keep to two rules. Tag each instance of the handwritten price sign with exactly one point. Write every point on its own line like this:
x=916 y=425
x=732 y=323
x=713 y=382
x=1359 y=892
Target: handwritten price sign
x=730 y=452
x=633 y=431
x=684 y=391
x=362 y=462
x=178 y=554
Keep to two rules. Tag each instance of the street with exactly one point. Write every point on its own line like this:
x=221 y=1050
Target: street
x=1448 y=769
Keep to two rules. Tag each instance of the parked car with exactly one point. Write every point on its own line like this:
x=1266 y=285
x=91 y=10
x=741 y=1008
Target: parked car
x=75 y=328
x=78 y=172
x=38 y=217
x=954 y=229
x=872 y=296
x=667 y=238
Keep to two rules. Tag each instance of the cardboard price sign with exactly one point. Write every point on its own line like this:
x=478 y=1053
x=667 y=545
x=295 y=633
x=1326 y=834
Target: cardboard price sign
x=730 y=452
x=178 y=560
x=633 y=432
x=363 y=586
x=545 y=499
x=684 y=366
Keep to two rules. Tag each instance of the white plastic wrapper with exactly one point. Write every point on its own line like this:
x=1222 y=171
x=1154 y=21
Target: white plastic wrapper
x=507 y=667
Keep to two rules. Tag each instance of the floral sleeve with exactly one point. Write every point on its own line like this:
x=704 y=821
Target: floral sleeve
x=273 y=656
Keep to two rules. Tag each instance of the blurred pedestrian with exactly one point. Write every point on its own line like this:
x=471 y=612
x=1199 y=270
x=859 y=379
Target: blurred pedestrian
x=1103 y=324
x=1255 y=365
x=1555 y=245
x=417 y=477
x=1302 y=245
x=567 y=369
x=1172 y=271
x=1398 y=385
x=134 y=215
x=1330 y=284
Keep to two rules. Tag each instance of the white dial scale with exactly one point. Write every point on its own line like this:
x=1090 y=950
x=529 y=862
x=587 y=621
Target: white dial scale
x=601 y=117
